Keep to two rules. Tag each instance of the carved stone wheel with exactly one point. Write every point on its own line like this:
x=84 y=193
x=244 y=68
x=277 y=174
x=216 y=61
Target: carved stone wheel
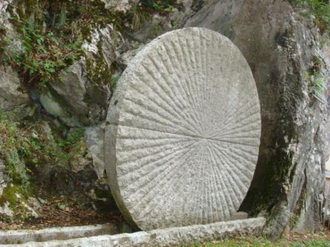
x=183 y=131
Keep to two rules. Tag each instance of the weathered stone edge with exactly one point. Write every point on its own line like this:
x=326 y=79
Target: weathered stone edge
x=115 y=112
x=58 y=233
x=175 y=236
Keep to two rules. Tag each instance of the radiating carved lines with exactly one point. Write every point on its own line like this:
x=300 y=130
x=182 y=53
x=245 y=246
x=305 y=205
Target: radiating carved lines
x=213 y=82
x=234 y=165
x=172 y=70
x=216 y=199
x=231 y=111
x=248 y=140
x=153 y=160
x=155 y=147
x=155 y=183
x=193 y=50
x=188 y=64
x=171 y=186
x=234 y=125
x=201 y=75
x=199 y=198
x=166 y=103
x=223 y=169
x=232 y=191
x=187 y=113
x=164 y=94
x=175 y=44
x=239 y=153
x=211 y=86
x=227 y=202
x=160 y=66
x=225 y=113
x=159 y=116
x=246 y=128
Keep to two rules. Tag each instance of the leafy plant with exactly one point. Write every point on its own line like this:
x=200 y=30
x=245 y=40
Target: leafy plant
x=28 y=149
x=12 y=146
x=318 y=10
x=160 y=6
x=318 y=87
x=73 y=137
x=42 y=55
x=317 y=78
x=113 y=85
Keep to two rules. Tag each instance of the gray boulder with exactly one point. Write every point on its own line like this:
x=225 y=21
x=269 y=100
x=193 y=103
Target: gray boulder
x=75 y=99
x=8 y=28
x=282 y=49
x=95 y=141
x=13 y=98
x=81 y=96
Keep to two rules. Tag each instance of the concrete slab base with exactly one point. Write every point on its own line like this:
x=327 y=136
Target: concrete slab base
x=175 y=236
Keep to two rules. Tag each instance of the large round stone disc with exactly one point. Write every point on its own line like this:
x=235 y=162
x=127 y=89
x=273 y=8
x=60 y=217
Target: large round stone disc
x=183 y=131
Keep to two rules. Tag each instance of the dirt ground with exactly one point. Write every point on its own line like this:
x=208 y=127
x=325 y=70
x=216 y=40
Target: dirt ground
x=323 y=234
x=66 y=211
x=59 y=212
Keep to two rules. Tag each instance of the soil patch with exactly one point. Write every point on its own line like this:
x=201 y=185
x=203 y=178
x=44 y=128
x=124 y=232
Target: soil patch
x=62 y=211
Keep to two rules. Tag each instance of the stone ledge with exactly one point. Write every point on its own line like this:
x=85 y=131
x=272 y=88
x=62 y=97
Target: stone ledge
x=58 y=233
x=175 y=236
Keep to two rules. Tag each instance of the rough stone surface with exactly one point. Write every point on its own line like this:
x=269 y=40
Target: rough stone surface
x=79 y=156
x=7 y=212
x=183 y=131
x=95 y=140
x=6 y=25
x=12 y=96
x=74 y=99
x=283 y=50
x=239 y=216
x=160 y=24
x=177 y=236
x=105 y=44
x=60 y=233
x=50 y=104
x=119 y=5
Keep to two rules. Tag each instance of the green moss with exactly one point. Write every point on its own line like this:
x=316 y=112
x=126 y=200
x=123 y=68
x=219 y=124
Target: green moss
x=12 y=147
x=33 y=153
x=316 y=79
x=317 y=10
x=9 y=196
x=43 y=58
x=98 y=71
x=279 y=175
x=75 y=135
x=126 y=228
x=16 y=197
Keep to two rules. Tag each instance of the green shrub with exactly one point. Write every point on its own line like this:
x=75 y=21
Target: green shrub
x=318 y=10
x=13 y=145
x=31 y=150
x=42 y=55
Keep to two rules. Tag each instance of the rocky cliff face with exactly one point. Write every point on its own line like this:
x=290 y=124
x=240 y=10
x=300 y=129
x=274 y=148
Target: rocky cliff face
x=284 y=52
x=291 y=65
